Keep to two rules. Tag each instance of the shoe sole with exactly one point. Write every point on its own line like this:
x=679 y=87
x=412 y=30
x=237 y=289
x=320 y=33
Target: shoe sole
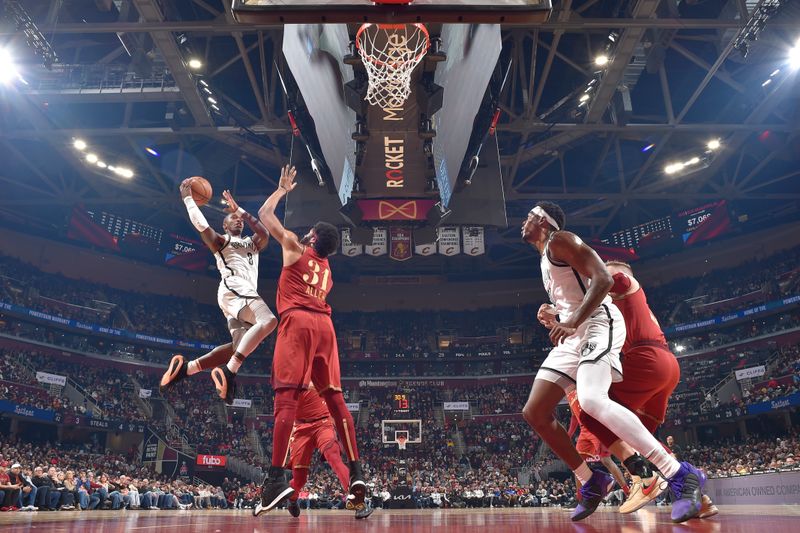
x=358 y=490
x=587 y=513
x=220 y=383
x=171 y=373
x=260 y=508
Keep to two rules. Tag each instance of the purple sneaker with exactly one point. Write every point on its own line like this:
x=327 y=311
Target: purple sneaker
x=592 y=493
x=687 y=492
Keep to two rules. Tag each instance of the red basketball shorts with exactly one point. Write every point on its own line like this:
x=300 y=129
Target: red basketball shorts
x=651 y=373
x=306 y=350
x=308 y=437
x=589 y=446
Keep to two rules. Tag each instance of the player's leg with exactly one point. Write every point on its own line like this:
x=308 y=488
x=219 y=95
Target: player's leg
x=291 y=371
x=594 y=380
x=326 y=374
x=261 y=322
x=302 y=449
x=179 y=368
x=332 y=453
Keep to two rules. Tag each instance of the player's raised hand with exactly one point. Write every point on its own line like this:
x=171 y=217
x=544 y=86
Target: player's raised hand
x=186 y=187
x=232 y=205
x=288 y=174
x=547 y=315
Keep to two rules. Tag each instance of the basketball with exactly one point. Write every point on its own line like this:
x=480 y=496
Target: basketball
x=201 y=190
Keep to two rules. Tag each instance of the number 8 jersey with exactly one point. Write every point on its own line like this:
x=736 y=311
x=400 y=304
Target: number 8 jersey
x=237 y=262
x=305 y=284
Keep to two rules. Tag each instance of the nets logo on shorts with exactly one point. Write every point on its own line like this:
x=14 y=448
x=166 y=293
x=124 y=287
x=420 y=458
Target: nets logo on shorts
x=588 y=348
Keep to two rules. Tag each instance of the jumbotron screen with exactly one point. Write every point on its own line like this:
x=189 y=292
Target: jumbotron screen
x=702 y=223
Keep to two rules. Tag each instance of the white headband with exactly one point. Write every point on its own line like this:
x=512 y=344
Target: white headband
x=542 y=213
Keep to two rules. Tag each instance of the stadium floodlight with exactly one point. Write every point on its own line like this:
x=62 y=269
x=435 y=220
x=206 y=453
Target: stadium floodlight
x=91 y=158
x=124 y=172
x=680 y=348
x=8 y=70
x=693 y=161
x=794 y=56
x=212 y=100
x=101 y=164
x=79 y=144
x=601 y=60
x=584 y=97
x=195 y=64
x=713 y=144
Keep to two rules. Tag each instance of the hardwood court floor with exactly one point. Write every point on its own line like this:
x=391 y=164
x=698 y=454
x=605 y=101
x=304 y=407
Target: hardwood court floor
x=732 y=519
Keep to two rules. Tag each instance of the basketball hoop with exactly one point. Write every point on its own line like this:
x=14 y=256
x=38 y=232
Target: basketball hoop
x=401 y=442
x=389 y=53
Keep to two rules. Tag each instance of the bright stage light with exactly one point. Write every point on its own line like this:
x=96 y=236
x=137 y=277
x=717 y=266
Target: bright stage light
x=584 y=97
x=101 y=164
x=8 y=70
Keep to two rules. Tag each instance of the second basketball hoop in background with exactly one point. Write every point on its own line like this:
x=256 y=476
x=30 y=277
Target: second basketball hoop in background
x=390 y=52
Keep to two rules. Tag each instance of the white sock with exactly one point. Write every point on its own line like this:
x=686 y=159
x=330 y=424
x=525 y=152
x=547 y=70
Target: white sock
x=192 y=368
x=593 y=382
x=583 y=473
x=234 y=364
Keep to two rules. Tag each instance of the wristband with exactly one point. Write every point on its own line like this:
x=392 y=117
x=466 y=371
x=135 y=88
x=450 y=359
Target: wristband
x=240 y=211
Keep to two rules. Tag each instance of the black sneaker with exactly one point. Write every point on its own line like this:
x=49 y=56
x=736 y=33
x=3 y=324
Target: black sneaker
x=365 y=512
x=274 y=490
x=225 y=383
x=293 y=508
x=176 y=371
x=358 y=489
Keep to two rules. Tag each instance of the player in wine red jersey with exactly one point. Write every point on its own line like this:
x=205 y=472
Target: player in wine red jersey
x=306 y=345
x=250 y=320
x=314 y=429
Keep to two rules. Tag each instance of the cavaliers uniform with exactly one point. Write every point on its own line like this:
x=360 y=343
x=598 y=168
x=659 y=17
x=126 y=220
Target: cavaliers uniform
x=651 y=370
x=599 y=338
x=588 y=445
x=237 y=262
x=313 y=429
x=306 y=348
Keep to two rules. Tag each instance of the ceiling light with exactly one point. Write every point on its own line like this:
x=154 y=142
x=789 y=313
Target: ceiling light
x=775 y=73
x=794 y=56
x=766 y=82
x=584 y=97
x=91 y=158
x=713 y=144
x=648 y=147
x=124 y=172
x=601 y=60
x=206 y=89
x=101 y=164
x=213 y=106
x=680 y=348
x=203 y=83
x=210 y=99
x=693 y=161
x=8 y=70
x=79 y=144
x=195 y=64
x=151 y=151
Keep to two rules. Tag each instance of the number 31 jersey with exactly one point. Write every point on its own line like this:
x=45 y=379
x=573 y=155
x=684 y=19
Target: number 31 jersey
x=305 y=284
x=238 y=258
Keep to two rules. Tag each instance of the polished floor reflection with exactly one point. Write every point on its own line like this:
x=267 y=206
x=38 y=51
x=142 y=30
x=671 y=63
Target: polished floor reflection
x=772 y=519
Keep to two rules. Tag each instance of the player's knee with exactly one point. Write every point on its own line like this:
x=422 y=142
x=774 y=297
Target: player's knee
x=593 y=404
x=535 y=417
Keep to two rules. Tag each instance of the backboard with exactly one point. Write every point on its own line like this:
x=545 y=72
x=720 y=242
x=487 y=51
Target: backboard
x=409 y=430
x=345 y=11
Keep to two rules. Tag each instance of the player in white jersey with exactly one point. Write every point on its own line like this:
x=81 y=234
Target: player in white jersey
x=587 y=333
x=249 y=319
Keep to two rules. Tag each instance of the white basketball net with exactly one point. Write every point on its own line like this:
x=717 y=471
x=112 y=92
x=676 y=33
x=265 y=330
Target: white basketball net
x=389 y=53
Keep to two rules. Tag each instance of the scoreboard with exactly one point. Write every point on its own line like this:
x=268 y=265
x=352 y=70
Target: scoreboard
x=401 y=403
x=702 y=223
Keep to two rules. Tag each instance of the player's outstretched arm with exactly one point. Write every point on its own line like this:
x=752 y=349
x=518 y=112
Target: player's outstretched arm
x=288 y=240
x=260 y=233
x=211 y=238
x=568 y=248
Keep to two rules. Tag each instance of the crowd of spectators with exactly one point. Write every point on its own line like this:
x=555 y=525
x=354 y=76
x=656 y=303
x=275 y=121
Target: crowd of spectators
x=755 y=455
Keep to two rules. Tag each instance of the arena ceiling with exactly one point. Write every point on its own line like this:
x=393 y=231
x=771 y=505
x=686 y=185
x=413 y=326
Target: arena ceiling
x=122 y=84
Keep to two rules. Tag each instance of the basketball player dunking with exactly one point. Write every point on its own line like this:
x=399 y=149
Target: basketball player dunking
x=249 y=318
x=306 y=345
x=314 y=429
x=586 y=356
